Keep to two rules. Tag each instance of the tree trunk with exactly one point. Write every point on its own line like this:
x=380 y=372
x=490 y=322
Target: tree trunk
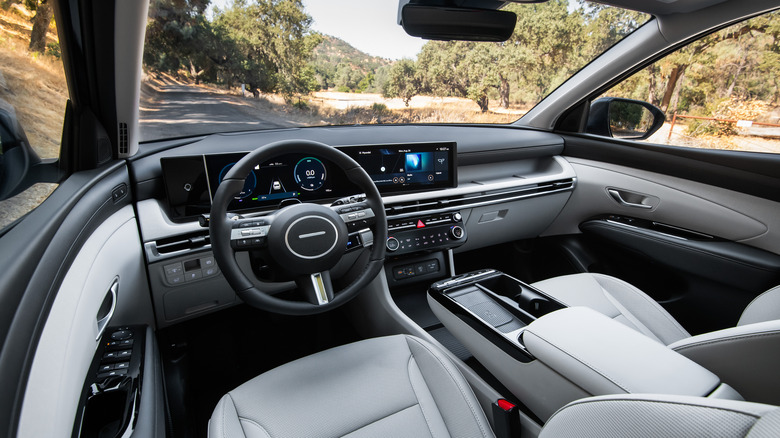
x=40 y=27
x=676 y=95
x=483 y=101
x=651 y=84
x=740 y=67
x=671 y=84
x=503 y=92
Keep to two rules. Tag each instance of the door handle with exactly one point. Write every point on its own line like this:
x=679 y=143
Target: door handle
x=107 y=308
x=618 y=197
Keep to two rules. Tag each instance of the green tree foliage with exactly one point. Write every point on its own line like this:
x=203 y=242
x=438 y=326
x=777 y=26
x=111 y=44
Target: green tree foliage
x=736 y=64
x=551 y=41
x=403 y=81
x=265 y=44
x=273 y=42
x=176 y=33
x=338 y=64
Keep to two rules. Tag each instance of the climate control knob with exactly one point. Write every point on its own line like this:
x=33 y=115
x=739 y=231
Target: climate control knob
x=392 y=244
x=457 y=232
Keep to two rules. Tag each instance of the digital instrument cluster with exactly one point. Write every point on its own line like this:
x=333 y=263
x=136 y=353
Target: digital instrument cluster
x=192 y=181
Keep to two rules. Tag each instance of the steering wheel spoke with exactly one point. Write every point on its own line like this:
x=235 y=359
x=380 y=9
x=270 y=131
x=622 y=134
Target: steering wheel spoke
x=316 y=287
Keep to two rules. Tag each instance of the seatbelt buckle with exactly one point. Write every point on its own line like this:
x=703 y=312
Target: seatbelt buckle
x=506 y=420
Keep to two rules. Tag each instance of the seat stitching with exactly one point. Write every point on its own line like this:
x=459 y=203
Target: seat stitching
x=727 y=339
x=652 y=303
x=409 y=375
x=249 y=420
x=601 y=373
x=457 y=384
x=640 y=326
x=774 y=289
x=240 y=418
x=382 y=418
x=663 y=402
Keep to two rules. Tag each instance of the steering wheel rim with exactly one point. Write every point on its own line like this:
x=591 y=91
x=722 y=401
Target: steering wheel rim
x=220 y=227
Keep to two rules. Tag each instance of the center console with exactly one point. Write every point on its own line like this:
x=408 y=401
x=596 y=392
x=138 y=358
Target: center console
x=548 y=355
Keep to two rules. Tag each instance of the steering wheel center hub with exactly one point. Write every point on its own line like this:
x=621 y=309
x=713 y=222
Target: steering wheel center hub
x=311 y=237
x=307 y=238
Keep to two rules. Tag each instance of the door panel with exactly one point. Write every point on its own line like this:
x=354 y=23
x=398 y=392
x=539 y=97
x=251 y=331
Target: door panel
x=685 y=233
x=686 y=204
x=110 y=258
x=38 y=256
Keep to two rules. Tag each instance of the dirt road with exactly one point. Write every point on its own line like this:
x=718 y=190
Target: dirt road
x=175 y=110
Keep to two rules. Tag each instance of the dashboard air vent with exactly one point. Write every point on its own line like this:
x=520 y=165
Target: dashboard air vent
x=480 y=198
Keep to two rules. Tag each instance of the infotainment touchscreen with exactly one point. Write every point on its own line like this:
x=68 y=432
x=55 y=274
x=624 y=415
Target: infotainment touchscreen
x=407 y=167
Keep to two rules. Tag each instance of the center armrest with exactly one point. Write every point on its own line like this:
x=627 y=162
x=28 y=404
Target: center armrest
x=603 y=356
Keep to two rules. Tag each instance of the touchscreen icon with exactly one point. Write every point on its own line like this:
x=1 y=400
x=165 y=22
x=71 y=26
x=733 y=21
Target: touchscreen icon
x=413 y=162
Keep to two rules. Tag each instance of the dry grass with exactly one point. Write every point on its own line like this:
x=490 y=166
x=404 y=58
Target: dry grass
x=35 y=85
x=337 y=108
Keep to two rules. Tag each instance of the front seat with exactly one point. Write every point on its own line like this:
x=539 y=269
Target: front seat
x=393 y=386
x=401 y=386
x=746 y=357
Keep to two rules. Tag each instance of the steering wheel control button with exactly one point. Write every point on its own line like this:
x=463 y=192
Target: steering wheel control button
x=392 y=244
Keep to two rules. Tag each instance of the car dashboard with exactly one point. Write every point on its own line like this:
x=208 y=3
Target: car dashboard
x=445 y=188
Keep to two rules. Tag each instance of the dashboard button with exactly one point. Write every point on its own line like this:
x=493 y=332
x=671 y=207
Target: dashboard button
x=392 y=244
x=173 y=269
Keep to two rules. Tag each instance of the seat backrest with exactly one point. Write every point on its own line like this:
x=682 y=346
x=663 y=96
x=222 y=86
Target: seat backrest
x=651 y=416
x=765 y=307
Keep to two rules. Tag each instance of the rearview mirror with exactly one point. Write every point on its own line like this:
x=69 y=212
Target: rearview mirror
x=624 y=118
x=455 y=23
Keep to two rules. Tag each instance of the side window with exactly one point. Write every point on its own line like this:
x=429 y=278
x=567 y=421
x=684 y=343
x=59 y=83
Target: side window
x=719 y=92
x=33 y=95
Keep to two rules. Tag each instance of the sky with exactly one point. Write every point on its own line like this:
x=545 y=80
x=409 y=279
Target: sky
x=368 y=25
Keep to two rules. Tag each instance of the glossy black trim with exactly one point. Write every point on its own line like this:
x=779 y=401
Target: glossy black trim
x=752 y=173
x=731 y=263
x=39 y=251
x=481 y=327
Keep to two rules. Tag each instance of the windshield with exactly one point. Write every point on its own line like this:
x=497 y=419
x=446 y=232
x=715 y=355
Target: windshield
x=225 y=65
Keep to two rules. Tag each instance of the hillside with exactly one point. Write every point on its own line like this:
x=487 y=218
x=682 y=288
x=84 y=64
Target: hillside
x=339 y=65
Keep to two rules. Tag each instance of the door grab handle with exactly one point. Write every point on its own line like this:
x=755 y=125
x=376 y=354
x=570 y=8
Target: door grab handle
x=106 y=310
x=619 y=198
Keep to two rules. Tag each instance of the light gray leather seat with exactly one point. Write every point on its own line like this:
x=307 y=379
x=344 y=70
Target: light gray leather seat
x=398 y=386
x=746 y=357
x=401 y=386
x=653 y=416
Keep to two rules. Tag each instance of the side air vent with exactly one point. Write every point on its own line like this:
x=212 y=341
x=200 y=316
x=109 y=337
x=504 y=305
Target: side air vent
x=123 y=146
x=178 y=245
x=478 y=199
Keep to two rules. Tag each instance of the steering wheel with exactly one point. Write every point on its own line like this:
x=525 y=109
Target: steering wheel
x=304 y=240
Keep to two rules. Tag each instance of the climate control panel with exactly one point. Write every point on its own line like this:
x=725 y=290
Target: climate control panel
x=431 y=232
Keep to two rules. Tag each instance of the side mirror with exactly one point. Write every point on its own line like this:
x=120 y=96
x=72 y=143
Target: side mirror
x=624 y=118
x=17 y=158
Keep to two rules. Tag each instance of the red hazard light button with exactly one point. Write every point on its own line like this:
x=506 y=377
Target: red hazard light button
x=420 y=224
